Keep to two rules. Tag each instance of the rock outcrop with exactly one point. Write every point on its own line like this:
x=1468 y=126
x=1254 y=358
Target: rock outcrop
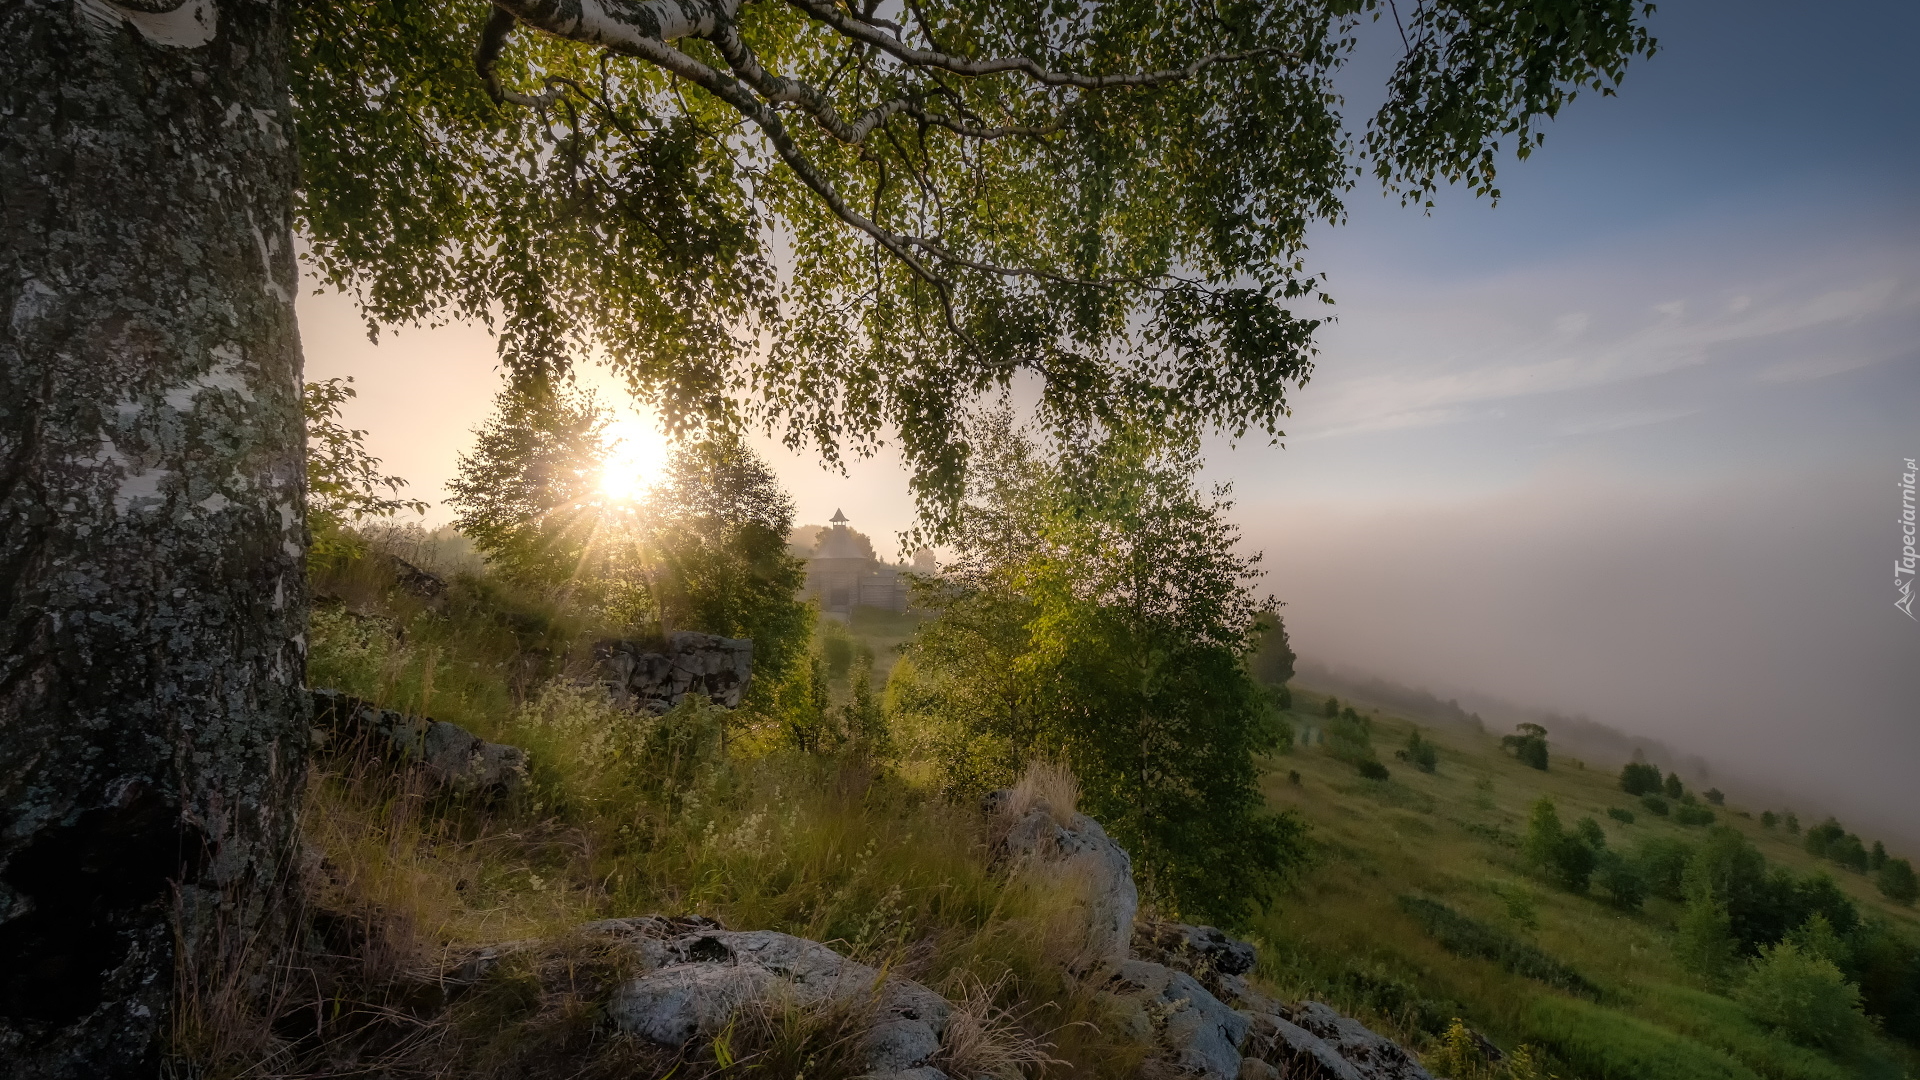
x=1181 y=988
x=1080 y=858
x=695 y=977
x=457 y=760
x=1159 y=1005
x=645 y=676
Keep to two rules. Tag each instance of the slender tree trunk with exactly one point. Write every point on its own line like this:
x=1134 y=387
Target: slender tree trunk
x=152 y=587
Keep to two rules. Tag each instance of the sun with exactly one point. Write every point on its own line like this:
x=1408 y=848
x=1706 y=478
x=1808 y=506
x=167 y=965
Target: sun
x=636 y=455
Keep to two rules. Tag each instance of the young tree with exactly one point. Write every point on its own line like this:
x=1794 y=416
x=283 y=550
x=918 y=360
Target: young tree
x=1128 y=659
x=1705 y=943
x=714 y=533
x=527 y=496
x=1674 y=788
x=1768 y=819
x=1528 y=744
x=1332 y=708
x=1271 y=661
x=597 y=182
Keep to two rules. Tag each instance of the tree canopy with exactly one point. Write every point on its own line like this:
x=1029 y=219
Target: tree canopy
x=845 y=220
x=1098 y=612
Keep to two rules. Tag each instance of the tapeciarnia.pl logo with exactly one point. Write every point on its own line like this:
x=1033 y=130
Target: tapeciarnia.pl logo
x=1903 y=567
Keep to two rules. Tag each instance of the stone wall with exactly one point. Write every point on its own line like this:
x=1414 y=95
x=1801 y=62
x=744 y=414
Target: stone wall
x=642 y=676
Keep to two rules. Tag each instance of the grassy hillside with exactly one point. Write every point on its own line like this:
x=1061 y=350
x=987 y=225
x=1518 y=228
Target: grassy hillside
x=1415 y=908
x=1365 y=926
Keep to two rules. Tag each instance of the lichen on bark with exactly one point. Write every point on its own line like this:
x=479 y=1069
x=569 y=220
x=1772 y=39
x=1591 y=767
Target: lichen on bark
x=152 y=713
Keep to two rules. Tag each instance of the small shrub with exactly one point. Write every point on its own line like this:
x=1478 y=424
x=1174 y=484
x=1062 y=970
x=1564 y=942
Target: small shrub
x=1803 y=996
x=1673 y=787
x=1656 y=805
x=1458 y=1055
x=1568 y=857
x=1768 y=819
x=1688 y=814
x=1621 y=881
x=1663 y=861
x=1419 y=753
x=1639 y=778
x=1897 y=881
x=1715 y=796
x=1373 y=770
x=1624 y=817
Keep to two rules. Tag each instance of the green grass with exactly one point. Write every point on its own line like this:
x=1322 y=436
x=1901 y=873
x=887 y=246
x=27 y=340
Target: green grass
x=1417 y=908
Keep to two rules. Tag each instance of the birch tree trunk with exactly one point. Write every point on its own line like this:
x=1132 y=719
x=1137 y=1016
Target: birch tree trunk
x=152 y=587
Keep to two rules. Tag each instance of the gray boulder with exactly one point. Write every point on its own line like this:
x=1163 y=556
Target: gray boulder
x=652 y=677
x=1203 y=952
x=1080 y=857
x=1166 y=1008
x=1306 y=1027
x=693 y=982
x=456 y=759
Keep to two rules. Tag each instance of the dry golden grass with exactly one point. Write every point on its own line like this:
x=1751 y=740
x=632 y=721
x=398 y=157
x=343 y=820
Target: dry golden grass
x=1048 y=785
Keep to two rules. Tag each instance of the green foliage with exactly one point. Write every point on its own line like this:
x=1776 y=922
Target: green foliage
x=344 y=482
x=1897 y=882
x=1704 y=943
x=1567 y=857
x=1528 y=744
x=1373 y=770
x=1716 y=796
x=714 y=533
x=1768 y=819
x=1621 y=879
x=1332 y=707
x=1620 y=814
x=702 y=239
x=1468 y=937
x=1349 y=740
x=1878 y=856
x=1793 y=824
x=1803 y=994
x=862 y=719
x=1271 y=659
x=705 y=550
x=1673 y=787
x=1691 y=814
x=1108 y=609
x=1663 y=861
x=1639 y=778
x=1615 y=1046
x=1420 y=753
x=836 y=649
x=1656 y=805
x=527 y=494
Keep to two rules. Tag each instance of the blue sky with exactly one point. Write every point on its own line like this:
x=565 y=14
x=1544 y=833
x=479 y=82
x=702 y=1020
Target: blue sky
x=1624 y=444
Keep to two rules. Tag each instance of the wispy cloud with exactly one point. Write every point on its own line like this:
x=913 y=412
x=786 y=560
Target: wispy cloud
x=1624 y=421
x=1580 y=351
